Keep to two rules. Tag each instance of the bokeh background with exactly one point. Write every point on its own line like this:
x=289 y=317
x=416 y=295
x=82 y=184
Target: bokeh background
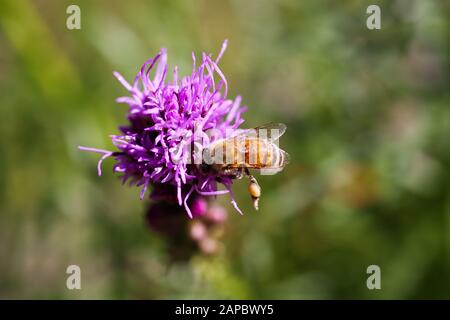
x=368 y=115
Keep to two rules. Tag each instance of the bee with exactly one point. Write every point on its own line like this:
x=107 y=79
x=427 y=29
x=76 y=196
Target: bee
x=250 y=149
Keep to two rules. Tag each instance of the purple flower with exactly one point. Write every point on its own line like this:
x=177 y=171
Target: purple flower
x=165 y=119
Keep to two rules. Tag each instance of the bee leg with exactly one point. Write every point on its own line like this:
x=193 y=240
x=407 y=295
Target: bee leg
x=254 y=189
x=240 y=174
x=235 y=173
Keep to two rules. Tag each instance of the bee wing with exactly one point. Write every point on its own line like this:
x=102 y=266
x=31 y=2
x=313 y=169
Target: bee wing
x=286 y=158
x=269 y=131
x=275 y=129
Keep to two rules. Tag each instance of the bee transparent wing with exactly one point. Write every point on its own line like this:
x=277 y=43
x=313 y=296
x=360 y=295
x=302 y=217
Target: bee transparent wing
x=277 y=128
x=287 y=158
x=270 y=131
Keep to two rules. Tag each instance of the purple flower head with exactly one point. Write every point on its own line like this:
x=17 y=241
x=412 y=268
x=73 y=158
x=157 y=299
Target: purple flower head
x=165 y=120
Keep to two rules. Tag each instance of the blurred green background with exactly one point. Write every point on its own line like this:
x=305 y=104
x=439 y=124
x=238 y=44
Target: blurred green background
x=368 y=115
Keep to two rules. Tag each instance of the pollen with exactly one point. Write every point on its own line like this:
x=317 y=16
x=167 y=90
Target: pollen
x=254 y=189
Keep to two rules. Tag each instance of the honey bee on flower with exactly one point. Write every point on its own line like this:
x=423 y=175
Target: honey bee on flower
x=251 y=149
x=165 y=117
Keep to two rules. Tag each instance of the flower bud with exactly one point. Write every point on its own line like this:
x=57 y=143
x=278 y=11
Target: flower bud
x=198 y=207
x=208 y=246
x=217 y=214
x=197 y=231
